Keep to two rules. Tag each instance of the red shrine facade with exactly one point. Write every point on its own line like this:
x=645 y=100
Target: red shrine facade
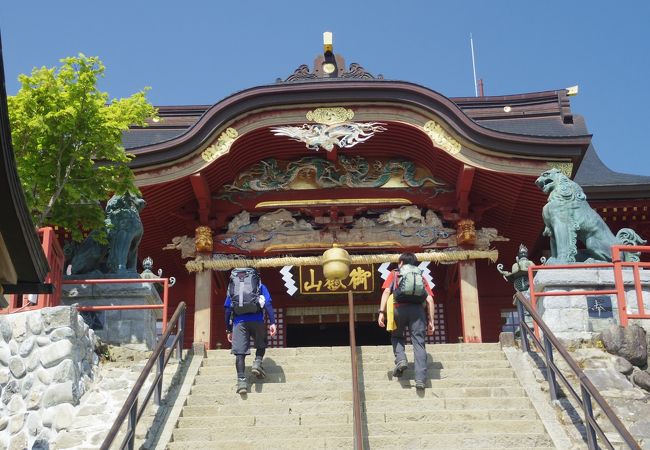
x=378 y=167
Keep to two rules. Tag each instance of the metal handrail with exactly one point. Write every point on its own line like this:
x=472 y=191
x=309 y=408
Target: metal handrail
x=587 y=390
x=159 y=358
x=356 y=400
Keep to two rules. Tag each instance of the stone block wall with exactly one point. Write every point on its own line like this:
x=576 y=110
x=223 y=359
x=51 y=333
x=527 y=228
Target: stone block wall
x=47 y=360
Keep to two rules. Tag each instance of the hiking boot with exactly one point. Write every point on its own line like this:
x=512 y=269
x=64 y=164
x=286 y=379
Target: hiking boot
x=419 y=385
x=257 y=369
x=400 y=367
x=242 y=386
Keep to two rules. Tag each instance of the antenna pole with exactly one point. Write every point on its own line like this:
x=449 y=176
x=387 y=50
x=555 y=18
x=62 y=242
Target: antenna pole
x=471 y=43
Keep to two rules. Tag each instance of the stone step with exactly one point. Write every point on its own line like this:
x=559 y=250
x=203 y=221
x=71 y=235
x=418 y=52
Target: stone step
x=208 y=418
x=270 y=364
x=377 y=392
x=431 y=348
x=491 y=441
x=264 y=398
x=342 y=413
x=342 y=381
x=261 y=433
x=221 y=428
x=272 y=357
x=268 y=444
x=424 y=403
x=428 y=404
x=225 y=429
x=374 y=373
x=253 y=409
x=379 y=443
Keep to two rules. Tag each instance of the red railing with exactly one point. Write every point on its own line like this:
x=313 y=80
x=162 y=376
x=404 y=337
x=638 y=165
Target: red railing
x=55 y=259
x=618 y=278
x=617 y=265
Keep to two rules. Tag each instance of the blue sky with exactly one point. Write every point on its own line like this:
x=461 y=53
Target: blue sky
x=198 y=52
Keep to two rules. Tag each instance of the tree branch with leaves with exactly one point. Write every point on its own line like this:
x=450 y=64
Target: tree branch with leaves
x=67 y=138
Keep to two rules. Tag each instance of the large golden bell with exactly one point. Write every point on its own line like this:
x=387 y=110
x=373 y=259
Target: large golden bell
x=336 y=263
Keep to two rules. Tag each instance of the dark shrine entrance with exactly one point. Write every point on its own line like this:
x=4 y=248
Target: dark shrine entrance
x=334 y=334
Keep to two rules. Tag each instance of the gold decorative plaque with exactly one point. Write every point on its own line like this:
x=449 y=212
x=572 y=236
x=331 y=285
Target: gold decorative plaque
x=565 y=167
x=359 y=280
x=222 y=146
x=330 y=116
x=441 y=138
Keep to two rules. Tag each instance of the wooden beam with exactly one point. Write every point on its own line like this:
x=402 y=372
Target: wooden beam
x=463 y=188
x=203 y=196
x=470 y=314
x=203 y=307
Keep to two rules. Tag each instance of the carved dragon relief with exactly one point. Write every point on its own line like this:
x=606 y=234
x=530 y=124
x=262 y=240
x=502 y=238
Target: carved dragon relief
x=333 y=127
x=311 y=172
x=342 y=135
x=402 y=227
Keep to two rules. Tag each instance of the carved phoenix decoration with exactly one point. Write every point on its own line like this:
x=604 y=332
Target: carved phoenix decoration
x=343 y=135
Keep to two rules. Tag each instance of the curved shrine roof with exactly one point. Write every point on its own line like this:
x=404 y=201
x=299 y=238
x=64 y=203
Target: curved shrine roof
x=534 y=114
x=544 y=114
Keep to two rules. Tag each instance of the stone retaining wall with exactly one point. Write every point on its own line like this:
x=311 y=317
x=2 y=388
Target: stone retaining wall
x=47 y=361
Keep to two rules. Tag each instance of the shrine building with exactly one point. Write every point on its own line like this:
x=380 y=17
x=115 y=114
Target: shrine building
x=335 y=155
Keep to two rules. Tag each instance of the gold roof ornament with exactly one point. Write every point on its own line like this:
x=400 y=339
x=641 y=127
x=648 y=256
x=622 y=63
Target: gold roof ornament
x=441 y=138
x=565 y=167
x=330 y=116
x=222 y=146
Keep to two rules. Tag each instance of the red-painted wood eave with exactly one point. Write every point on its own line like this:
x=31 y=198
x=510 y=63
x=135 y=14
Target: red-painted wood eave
x=172 y=207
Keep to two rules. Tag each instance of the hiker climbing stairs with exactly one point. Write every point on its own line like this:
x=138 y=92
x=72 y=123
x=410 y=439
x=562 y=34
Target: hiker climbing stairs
x=472 y=400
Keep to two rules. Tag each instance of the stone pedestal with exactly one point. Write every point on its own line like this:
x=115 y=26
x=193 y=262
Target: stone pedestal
x=118 y=327
x=579 y=316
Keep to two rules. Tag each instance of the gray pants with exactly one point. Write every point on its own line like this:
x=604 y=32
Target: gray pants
x=414 y=317
x=241 y=334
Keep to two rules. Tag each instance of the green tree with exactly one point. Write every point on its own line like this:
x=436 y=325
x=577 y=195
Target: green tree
x=67 y=138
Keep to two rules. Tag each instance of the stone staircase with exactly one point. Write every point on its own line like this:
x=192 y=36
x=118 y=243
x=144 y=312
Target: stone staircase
x=472 y=400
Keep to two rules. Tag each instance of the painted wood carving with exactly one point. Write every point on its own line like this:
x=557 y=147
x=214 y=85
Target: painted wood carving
x=281 y=231
x=313 y=172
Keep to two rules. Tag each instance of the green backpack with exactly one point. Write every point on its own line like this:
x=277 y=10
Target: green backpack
x=408 y=285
